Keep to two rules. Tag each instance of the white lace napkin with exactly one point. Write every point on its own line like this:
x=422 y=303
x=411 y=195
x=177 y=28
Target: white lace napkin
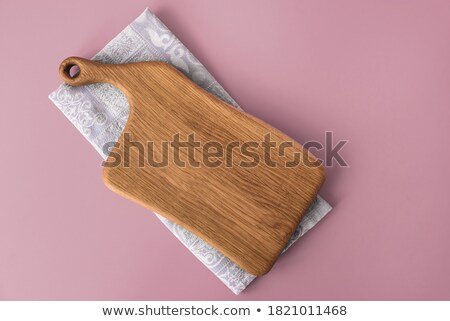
x=100 y=112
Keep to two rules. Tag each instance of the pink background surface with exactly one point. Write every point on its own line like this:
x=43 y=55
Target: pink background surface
x=374 y=72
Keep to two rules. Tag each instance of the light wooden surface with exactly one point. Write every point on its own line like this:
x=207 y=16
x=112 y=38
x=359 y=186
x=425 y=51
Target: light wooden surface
x=248 y=214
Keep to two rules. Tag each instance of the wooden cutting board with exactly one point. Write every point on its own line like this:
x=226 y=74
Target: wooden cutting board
x=246 y=211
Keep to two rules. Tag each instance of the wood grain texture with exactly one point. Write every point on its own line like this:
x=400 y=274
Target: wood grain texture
x=248 y=214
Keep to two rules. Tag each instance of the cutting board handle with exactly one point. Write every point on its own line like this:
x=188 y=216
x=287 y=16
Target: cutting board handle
x=89 y=71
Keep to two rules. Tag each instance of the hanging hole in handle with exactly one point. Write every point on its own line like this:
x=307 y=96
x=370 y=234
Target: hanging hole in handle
x=72 y=71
